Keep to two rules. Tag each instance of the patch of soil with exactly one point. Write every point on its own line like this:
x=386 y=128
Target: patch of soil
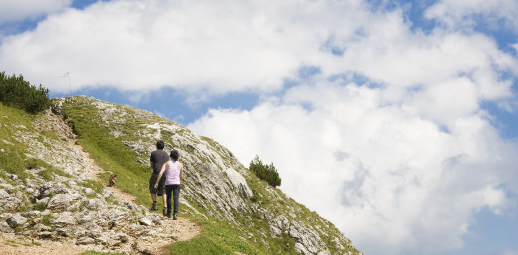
x=11 y=244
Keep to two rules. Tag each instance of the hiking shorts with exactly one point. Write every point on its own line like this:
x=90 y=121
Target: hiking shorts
x=160 y=190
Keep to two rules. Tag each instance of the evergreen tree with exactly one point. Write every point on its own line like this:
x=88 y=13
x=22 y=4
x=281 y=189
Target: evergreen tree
x=16 y=92
x=267 y=173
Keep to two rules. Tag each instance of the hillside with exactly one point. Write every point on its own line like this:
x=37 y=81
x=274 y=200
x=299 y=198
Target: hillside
x=53 y=173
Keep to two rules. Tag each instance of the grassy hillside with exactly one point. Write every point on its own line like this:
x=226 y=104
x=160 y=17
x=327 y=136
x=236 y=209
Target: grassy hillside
x=14 y=123
x=120 y=139
x=248 y=234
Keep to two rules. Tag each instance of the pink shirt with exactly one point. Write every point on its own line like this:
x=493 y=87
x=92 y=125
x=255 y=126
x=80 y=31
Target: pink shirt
x=172 y=173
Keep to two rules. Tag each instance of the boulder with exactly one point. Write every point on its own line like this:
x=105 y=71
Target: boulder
x=60 y=202
x=62 y=220
x=8 y=202
x=16 y=220
x=239 y=183
x=145 y=222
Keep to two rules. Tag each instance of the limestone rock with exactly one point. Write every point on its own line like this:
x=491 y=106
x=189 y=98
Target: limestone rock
x=239 y=182
x=7 y=202
x=60 y=202
x=145 y=221
x=16 y=220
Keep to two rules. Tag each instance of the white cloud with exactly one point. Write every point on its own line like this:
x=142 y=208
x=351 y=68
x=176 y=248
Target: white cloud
x=208 y=47
x=466 y=13
x=400 y=164
x=148 y=44
x=215 y=47
x=15 y=10
x=379 y=172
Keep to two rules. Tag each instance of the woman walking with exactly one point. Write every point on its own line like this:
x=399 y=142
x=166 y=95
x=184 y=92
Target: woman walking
x=173 y=174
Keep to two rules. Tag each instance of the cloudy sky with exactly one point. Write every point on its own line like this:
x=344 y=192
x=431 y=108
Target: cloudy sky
x=394 y=119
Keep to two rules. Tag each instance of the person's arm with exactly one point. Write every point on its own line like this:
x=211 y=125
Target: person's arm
x=160 y=174
x=181 y=170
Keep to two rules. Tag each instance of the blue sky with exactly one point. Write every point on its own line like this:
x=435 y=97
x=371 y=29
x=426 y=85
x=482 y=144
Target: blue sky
x=408 y=108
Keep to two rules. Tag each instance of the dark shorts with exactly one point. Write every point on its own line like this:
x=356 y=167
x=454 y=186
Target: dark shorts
x=160 y=190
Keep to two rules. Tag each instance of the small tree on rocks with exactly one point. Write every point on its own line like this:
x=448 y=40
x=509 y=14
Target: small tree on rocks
x=265 y=172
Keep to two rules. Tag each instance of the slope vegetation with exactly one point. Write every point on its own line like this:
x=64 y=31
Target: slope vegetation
x=238 y=212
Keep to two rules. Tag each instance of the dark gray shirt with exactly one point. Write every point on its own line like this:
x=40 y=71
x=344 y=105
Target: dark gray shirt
x=158 y=157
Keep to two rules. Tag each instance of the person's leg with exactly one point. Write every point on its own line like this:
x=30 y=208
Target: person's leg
x=176 y=194
x=152 y=192
x=164 y=200
x=168 y=190
x=161 y=192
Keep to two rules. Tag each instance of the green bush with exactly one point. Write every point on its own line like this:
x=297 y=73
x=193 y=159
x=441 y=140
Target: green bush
x=267 y=173
x=15 y=91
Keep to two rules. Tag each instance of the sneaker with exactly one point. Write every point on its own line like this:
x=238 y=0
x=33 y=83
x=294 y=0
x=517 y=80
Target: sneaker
x=175 y=216
x=154 y=207
x=164 y=211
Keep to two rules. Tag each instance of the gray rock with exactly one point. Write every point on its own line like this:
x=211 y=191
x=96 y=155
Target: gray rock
x=275 y=230
x=42 y=228
x=3 y=194
x=85 y=240
x=62 y=220
x=31 y=214
x=301 y=249
x=16 y=220
x=94 y=204
x=45 y=234
x=239 y=182
x=145 y=221
x=7 y=187
x=5 y=228
x=60 y=202
x=8 y=202
x=44 y=200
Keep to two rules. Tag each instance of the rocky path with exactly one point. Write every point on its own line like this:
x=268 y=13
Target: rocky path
x=182 y=229
x=169 y=231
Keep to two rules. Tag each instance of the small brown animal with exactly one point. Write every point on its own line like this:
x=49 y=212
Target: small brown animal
x=113 y=180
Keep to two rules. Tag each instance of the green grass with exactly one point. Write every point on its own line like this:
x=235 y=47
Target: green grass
x=12 y=158
x=94 y=135
x=109 y=152
x=46 y=220
x=218 y=236
x=132 y=176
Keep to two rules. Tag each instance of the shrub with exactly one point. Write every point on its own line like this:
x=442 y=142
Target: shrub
x=267 y=173
x=16 y=92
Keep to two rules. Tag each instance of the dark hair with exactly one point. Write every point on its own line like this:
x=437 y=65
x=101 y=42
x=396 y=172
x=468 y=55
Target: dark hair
x=160 y=145
x=174 y=155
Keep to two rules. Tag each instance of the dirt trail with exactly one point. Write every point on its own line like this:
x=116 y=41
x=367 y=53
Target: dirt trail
x=182 y=229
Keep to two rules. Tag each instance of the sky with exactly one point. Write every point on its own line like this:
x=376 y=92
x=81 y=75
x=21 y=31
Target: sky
x=396 y=120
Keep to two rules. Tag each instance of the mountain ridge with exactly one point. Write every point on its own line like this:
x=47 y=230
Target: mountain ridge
x=240 y=214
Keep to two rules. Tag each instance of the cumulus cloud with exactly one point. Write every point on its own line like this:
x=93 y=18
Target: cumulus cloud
x=23 y=9
x=466 y=13
x=148 y=44
x=208 y=46
x=399 y=162
x=405 y=159
x=379 y=171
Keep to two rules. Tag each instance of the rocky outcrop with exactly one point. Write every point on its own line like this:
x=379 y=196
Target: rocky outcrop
x=67 y=213
x=68 y=208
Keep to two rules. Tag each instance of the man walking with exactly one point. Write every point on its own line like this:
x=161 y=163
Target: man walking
x=157 y=159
